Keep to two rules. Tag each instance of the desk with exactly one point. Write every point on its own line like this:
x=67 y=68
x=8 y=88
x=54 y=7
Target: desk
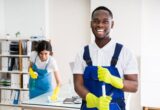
x=150 y=108
x=41 y=103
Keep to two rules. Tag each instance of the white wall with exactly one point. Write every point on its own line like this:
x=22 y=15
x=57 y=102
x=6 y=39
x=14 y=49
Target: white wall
x=1 y=17
x=150 y=75
x=69 y=30
x=26 y=16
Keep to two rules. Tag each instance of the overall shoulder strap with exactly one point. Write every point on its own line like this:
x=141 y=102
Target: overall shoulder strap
x=35 y=59
x=86 y=56
x=117 y=51
x=47 y=63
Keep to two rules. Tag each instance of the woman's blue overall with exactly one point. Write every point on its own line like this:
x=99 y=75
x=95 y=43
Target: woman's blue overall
x=92 y=83
x=43 y=83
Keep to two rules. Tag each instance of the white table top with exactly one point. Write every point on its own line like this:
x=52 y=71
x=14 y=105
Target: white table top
x=42 y=100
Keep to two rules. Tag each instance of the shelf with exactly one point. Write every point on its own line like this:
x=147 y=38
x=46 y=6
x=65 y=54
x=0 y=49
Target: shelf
x=14 y=39
x=11 y=88
x=24 y=39
x=24 y=56
x=14 y=72
x=14 y=59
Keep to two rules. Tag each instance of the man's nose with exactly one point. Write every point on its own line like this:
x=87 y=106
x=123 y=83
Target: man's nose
x=100 y=24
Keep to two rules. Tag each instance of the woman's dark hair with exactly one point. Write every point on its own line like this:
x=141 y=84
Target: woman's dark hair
x=44 y=45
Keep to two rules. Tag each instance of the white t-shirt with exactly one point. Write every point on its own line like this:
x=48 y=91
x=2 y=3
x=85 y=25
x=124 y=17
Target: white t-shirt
x=52 y=65
x=126 y=63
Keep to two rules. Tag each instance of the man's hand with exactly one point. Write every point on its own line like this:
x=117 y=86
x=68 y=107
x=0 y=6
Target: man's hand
x=101 y=103
x=105 y=76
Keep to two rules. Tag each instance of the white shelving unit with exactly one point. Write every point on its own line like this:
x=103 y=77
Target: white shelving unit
x=14 y=77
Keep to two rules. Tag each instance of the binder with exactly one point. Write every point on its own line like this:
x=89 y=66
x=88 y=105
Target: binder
x=14 y=48
x=25 y=81
x=8 y=96
x=15 y=81
x=5 y=63
x=4 y=45
x=13 y=63
x=16 y=97
x=2 y=96
x=24 y=48
x=25 y=64
x=12 y=96
x=25 y=95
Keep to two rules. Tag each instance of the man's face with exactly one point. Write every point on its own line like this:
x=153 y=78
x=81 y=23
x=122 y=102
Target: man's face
x=43 y=55
x=101 y=24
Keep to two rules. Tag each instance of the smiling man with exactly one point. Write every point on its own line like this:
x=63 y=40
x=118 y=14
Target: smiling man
x=105 y=69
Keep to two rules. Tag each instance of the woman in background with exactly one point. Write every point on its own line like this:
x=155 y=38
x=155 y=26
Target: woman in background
x=42 y=68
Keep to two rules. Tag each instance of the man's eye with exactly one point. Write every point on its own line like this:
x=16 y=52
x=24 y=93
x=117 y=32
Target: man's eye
x=95 y=21
x=105 y=21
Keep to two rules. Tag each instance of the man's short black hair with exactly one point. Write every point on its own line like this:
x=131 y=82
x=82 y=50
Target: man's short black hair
x=102 y=8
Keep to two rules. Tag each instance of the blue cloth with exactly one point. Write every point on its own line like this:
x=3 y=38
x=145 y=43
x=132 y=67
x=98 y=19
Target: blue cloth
x=92 y=83
x=42 y=84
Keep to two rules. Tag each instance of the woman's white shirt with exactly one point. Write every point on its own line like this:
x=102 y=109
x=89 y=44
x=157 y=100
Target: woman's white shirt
x=52 y=64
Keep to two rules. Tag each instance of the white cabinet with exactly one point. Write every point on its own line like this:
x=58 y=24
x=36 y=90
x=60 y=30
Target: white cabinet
x=14 y=77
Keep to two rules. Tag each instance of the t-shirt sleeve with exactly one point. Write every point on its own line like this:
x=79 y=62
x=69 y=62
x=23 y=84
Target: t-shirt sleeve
x=53 y=65
x=130 y=63
x=79 y=64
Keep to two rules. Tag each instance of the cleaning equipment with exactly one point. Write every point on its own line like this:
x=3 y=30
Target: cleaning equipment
x=54 y=95
x=33 y=76
x=103 y=90
x=104 y=95
x=112 y=106
x=107 y=77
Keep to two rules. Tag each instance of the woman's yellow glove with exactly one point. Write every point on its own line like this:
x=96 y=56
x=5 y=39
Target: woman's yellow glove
x=101 y=103
x=33 y=74
x=105 y=76
x=55 y=94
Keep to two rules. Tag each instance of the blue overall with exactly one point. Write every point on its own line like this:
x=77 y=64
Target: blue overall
x=92 y=83
x=43 y=83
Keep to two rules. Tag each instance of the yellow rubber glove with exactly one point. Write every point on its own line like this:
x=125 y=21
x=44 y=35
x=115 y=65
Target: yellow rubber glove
x=101 y=103
x=105 y=76
x=55 y=94
x=33 y=74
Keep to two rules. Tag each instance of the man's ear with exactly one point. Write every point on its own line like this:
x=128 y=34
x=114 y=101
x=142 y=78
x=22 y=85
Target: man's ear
x=112 y=25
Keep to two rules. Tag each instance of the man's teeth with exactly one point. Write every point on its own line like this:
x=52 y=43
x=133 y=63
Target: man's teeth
x=100 y=30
